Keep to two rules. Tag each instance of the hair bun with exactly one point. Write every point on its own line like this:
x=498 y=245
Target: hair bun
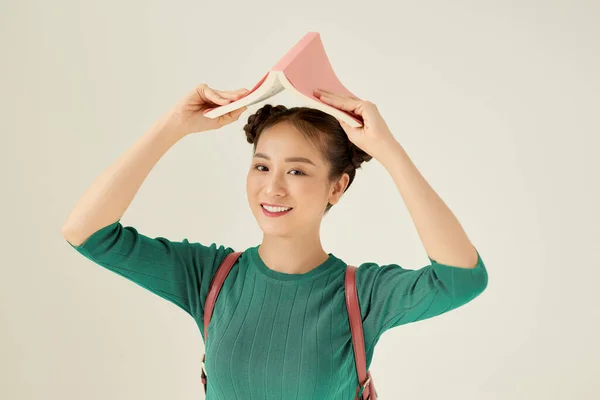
x=256 y=120
x=357 y=155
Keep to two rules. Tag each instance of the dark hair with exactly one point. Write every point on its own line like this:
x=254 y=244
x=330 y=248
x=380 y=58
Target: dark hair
x=321 y=129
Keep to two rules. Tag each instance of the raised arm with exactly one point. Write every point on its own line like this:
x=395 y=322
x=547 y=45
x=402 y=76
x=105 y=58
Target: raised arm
x=111 y=193
x=178 y=271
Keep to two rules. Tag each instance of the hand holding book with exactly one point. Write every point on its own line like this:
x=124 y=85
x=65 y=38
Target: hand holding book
x=374 y=135
x=187 y=116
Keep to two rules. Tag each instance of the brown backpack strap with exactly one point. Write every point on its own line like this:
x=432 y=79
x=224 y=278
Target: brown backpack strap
x=366 y=388
x=211 y=298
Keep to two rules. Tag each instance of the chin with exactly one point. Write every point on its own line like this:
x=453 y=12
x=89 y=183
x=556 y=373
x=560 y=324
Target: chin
x=275 y=229
x=274 y=226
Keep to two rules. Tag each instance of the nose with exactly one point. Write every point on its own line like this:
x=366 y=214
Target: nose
x=275 y=186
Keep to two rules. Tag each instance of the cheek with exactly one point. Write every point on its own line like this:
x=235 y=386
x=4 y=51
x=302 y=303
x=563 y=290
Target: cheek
x=250 y=186
x=254 y=181
x=313 y=192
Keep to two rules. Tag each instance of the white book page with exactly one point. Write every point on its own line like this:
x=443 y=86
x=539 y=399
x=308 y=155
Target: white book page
x=269 y=88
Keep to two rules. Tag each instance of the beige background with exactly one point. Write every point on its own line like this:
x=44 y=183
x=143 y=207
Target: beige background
x=497 y=103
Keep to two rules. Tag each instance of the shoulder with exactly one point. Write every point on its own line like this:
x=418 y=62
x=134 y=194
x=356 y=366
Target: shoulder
x=369 y=272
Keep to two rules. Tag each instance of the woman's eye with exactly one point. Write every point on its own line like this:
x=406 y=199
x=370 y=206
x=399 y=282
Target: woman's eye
x=258 y=167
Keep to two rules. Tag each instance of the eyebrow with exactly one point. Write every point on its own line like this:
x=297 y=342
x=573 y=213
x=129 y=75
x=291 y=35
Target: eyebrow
x=289 y=159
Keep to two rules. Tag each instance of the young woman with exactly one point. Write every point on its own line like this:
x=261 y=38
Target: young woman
x=280 y=326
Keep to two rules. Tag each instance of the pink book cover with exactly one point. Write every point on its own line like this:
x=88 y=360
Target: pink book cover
x=307 y=67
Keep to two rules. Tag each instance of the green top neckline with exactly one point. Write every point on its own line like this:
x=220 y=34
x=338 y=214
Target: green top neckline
x=283 y=276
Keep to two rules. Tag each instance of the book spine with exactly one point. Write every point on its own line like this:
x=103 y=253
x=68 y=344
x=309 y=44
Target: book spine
x=285 y=61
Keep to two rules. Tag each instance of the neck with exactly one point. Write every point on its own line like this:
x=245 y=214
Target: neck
x=292 y=255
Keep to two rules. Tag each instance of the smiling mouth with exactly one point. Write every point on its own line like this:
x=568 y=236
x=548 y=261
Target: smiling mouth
x=275 y=211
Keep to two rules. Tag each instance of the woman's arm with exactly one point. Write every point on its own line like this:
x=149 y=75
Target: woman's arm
x=111 y=193
x=442 y=235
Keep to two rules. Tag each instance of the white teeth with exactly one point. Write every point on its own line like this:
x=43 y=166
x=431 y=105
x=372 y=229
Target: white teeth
x=276 y=209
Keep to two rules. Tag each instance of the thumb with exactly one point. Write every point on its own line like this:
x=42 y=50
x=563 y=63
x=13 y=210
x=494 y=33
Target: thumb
x=351 y=132
x=347 y=128
x=237 y=113
x=231 y=116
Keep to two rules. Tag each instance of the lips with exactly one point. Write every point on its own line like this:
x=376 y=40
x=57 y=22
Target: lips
x=274 y=214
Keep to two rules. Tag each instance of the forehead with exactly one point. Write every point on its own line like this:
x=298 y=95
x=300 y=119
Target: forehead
x=284 y=140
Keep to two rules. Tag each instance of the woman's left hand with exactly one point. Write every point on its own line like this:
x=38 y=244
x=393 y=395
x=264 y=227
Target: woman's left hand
x=374 y=136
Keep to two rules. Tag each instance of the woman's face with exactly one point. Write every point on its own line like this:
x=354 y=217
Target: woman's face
x=286 y=170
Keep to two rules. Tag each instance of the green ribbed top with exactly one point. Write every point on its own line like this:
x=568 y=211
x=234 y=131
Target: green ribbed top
x=275 y=335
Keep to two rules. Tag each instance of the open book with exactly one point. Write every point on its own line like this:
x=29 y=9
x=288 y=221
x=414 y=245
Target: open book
x=303 y=69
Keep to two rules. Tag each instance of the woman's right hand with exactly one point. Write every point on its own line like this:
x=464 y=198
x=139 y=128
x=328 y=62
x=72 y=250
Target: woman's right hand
x=188 y=115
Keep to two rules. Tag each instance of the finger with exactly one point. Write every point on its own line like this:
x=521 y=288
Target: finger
x=231 y=116
x=213 y=96
x=323 y=92
x=232 y=94
x=346 y=104
x=237 y=112
x=226 y=95
x=332 y=94
x=345 y=126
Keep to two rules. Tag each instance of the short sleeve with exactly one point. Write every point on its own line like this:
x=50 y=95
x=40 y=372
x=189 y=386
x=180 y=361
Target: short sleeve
x=390 y=295
x=178 y=271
